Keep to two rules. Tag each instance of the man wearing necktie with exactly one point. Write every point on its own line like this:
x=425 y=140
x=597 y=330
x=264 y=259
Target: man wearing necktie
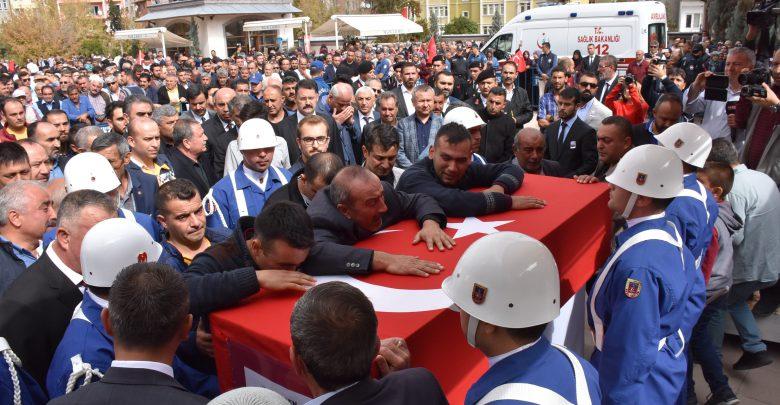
x=338 y=104
x=570 y=141
x=365 y=97
x=608 y=75
x=591 y=62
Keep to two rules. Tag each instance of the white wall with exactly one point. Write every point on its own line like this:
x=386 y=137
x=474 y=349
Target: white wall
x=694 y=9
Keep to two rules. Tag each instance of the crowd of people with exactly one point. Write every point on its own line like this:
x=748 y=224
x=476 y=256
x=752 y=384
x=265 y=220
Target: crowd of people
x=173 y=187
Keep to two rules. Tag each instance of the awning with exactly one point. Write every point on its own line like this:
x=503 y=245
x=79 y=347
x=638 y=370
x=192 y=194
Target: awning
x=282 y=23
x=367 y=25
x=169 y=11
x=157 y=37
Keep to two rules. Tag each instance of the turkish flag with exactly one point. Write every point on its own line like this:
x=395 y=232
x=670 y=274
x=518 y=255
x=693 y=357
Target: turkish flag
x=431 y=49
x=252 y=341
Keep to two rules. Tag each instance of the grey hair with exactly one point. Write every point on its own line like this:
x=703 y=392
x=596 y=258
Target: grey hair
x=82 y=136
x=423 y=88
x=238 y=102
x=75 y=202
x=336 y=90
x=746 y=52
x=723 y=151
x=110 y=139
x=166 y=110
x=96 y=79
x=364 y=89
x=342 y=183
x=183 y=130
x=388 y=95
x=14 y=197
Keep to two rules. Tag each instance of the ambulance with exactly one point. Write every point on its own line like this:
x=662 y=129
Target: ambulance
x=618 y=29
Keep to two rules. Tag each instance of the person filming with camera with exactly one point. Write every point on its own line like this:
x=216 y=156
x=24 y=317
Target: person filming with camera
x=759 y=117
x=694 y=100
x=625 y=101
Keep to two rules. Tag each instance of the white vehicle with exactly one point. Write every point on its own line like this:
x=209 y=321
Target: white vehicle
x=618 y=29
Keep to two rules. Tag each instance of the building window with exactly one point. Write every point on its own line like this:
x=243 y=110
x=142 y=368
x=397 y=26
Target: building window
x=523 y=5
x=490 y=9
x=485 y=30
x=465 y=14
x=439 y=11
x=3 y=5
x=692 y=20
x=95 y=10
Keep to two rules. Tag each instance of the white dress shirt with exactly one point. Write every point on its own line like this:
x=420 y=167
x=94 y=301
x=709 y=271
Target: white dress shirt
x=408 y=100
x=149 y=365
x=363 y=122
x=495 y=359
x=259 y=178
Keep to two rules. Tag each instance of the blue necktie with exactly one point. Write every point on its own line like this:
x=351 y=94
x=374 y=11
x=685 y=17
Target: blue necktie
x=561 y=135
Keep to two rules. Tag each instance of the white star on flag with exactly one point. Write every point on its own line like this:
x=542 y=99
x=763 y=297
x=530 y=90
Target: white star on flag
x=472 y=225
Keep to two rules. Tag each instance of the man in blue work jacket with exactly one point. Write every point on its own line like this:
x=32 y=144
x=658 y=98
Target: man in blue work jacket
x=649 y=294
x=505 y=302
x=87 y=349
x=245 y=191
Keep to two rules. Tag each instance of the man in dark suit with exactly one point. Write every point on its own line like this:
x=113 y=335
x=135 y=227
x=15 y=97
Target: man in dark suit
x=196 y=99
x=570 y=141
x=590 y=62
x=39 y=304
x=614 y=140
x=347 y=380
x=445 y=82
x=355 y=206
x=518 y=107
x=47 y=101
x=528 y=148
x=608 y=76
x=364 y=115
x=403 y=93
x=137 y=189
x=188 y=155
x=317 y=173
x=668 y=111
x=306 y=100
x=144 y=342
x=171 y=83
x=220 y=130
x=485 y=82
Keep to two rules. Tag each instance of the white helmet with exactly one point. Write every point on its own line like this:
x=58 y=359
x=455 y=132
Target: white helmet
x=464 y=116
x=507 y=279
x=90 y=171
x=690 y=142
x=650 y=171
x=256 y=133
x=110 y=246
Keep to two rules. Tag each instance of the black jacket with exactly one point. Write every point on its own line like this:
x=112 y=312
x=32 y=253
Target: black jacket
x=55 y=105
x=519 y=108
x=652 y=89
x=11 y=267
x=641 y=136
x=590 y=67
x=201 y=172
x=217 y=143
x=122 y=386
x=288 y=129
x=223 y=274
x=334 y=234
x=577 y=153
x=458 y=201
x=497 y=137
x=410 y=386
x=552 y=168
x=399 y=96
x=162 y=94
x=288 y=192
x=34 y=313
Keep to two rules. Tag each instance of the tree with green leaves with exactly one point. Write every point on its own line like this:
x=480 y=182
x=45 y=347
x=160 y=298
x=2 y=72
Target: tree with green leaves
x=497 y=23
x=114 y=17
x=193 y=34
x=393 y=6
x=435 y=27
x=461 y=25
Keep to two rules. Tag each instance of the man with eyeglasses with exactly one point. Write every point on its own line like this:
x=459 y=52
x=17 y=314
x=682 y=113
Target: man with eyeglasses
x=313 y=138
x=608 y=75
x=518 y=107
x=590 y=110
x=655 y=52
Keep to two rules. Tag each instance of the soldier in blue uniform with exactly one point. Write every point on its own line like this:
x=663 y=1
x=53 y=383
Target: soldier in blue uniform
x=694 y=210
x=245 y=191
x=16 y=385
x=649 y=294
x=505 y=301
x=86 y=350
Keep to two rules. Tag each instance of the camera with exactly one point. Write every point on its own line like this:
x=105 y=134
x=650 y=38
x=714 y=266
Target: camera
x=628 y=79
x=716 y=88
x=762 y=15
x=752 y=83
x=658 y=61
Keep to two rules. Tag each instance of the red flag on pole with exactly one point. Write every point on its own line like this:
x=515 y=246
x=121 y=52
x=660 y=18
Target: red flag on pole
x=404 y=12
x=140 y=57
x=431 y=49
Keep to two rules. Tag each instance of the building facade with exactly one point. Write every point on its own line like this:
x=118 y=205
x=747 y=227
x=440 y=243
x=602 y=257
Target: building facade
x=691 y=16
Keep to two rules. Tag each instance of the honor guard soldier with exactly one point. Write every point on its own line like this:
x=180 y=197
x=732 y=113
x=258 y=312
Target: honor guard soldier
x=649 y=294
x=506 y=288
x=86 y=350
x=694 y=210
x=244 y=191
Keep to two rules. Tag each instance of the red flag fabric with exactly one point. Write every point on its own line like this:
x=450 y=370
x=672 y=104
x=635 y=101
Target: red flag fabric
x=431 y=49
x=519 y=61
x=252 y=341
x=404 y=12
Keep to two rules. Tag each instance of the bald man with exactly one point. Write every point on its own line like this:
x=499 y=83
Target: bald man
x=528 y=149
x=39 y=161
x=143 y=136
x=338 y=104
x=220 y=130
